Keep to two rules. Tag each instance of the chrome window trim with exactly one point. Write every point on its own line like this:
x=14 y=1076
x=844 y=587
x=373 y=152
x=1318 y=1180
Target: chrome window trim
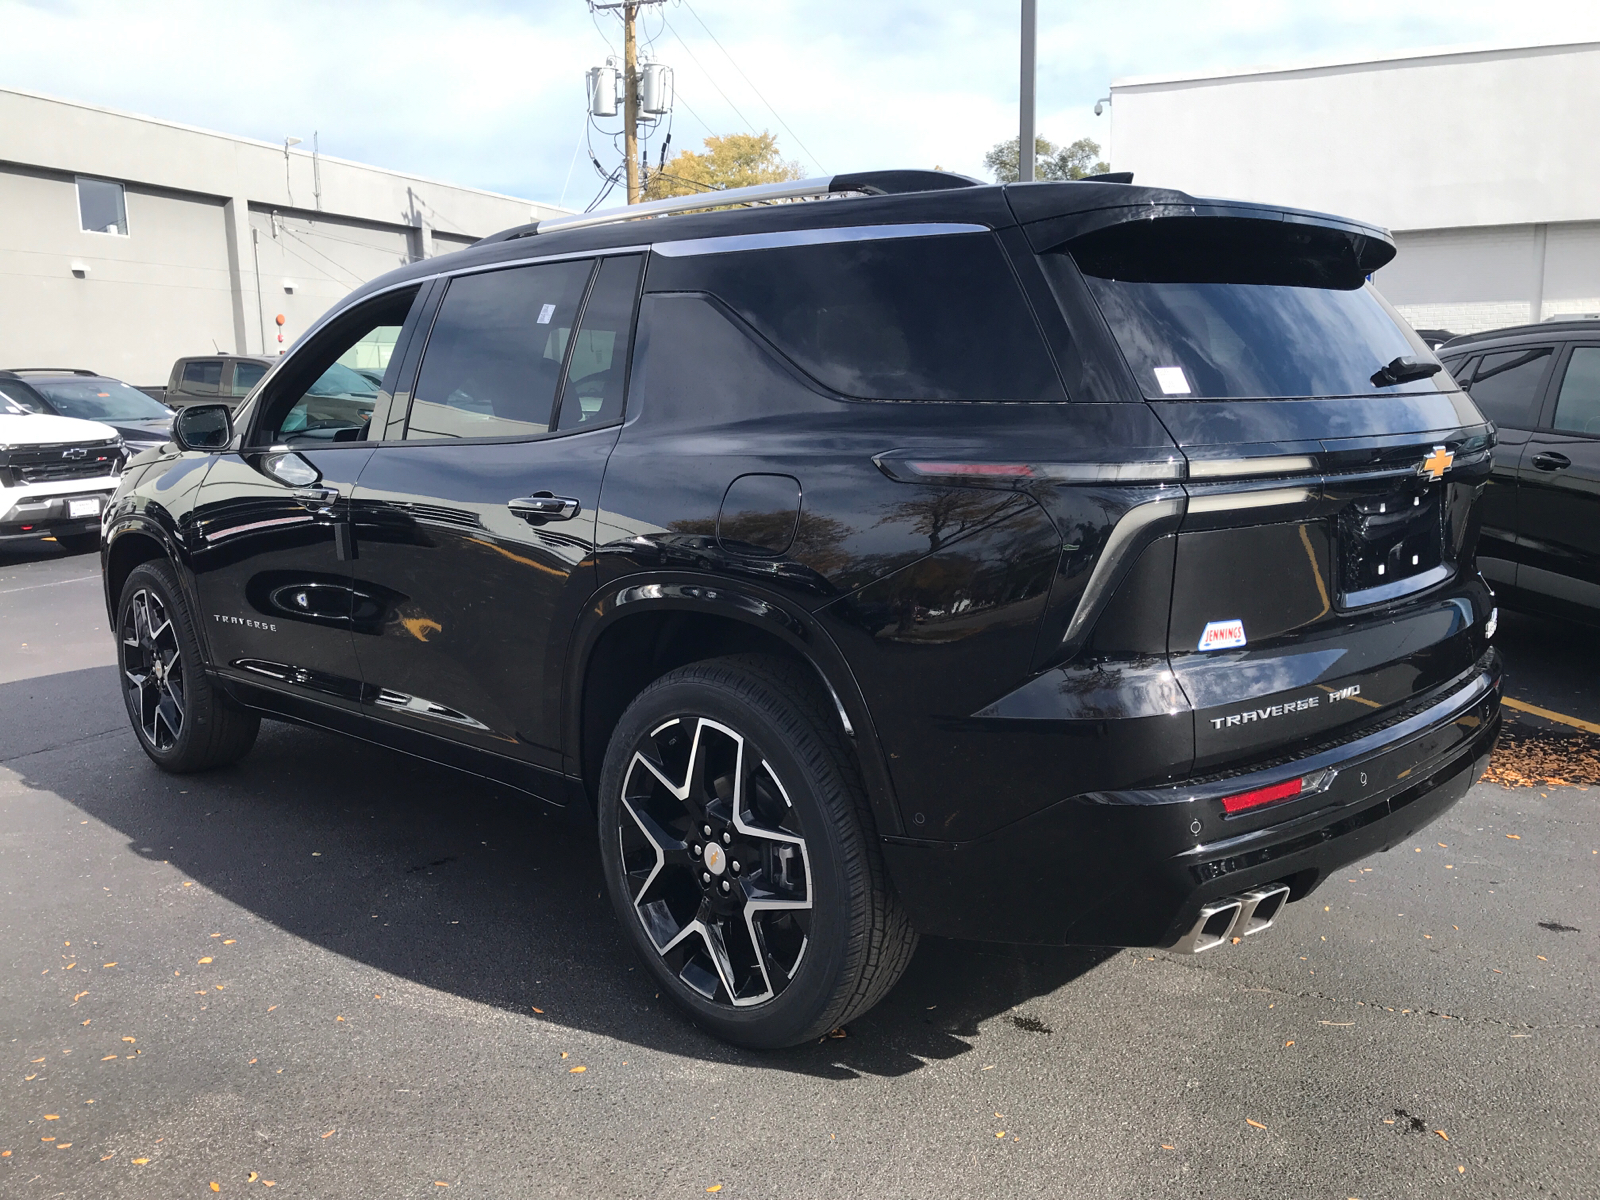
x=775 y=239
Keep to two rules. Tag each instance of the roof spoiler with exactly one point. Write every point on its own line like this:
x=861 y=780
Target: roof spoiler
x=870 y=183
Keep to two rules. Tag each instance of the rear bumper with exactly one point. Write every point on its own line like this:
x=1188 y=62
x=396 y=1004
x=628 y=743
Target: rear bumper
x=1134 y=868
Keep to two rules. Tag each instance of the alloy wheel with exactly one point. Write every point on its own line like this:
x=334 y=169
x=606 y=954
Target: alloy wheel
x=714 y=861
x=152 y=668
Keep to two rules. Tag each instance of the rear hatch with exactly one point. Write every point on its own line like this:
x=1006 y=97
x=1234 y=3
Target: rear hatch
x=1323 y=576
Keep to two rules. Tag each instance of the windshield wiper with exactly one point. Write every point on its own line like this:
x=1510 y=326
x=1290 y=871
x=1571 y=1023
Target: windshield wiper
x=1404 y=370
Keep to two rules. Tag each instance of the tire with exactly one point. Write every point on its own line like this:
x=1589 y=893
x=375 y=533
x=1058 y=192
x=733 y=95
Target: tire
x=183 y=722
x=78 y=543
x=791 y=866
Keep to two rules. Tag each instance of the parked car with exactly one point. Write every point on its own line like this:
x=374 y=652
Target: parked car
x=56 y=474
x=1540 y=384
x=140 y=421
x=1064 y=563
x=1434 y=338
x=214 y=379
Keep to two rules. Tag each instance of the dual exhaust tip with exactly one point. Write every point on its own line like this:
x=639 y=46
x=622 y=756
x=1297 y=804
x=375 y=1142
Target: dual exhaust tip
x=1233 y=917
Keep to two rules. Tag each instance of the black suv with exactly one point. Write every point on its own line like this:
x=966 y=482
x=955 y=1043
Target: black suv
x=1540 y=384
x=1067 y=562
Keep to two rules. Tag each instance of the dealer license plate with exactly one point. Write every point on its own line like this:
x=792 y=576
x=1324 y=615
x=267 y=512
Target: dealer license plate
x=83 y=508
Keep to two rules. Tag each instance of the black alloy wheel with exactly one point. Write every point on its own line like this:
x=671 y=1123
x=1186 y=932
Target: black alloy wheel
x=152 y=670
x=183 y=722
x=734 y=835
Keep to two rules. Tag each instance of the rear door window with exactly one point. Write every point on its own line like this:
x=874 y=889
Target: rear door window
x=597 y=367
x=1578 y=405
x=246 y=375
x=203 y=376
x=496 y=352
x=1226 y=308
x=1506 y=386
x=886 y=318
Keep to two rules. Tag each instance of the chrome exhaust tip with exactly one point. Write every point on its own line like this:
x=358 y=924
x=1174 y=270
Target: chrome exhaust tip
x=1212 y=928
x=1258 y=909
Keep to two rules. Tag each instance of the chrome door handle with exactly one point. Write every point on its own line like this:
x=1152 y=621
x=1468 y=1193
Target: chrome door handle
x=538 y=509
x=1551 y=462
x=317 y=495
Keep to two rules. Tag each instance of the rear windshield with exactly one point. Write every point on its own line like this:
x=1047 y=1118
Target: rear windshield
x=1223 y=308
x=892 y=318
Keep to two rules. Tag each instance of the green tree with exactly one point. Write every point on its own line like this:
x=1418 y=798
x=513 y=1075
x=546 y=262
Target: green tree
x=737 y=160
x=1050 y=161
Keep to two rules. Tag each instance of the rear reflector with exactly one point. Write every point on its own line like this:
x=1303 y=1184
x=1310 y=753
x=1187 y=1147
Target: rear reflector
x=1266 y=795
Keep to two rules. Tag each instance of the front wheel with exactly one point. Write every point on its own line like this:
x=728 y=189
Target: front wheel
x=734 y=834
x=183 y=722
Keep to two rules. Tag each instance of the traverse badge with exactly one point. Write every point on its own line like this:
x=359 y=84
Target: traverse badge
x=1222 y=635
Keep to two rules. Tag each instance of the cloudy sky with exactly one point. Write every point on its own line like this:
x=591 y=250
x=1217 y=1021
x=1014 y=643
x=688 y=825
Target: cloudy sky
x=490 y=94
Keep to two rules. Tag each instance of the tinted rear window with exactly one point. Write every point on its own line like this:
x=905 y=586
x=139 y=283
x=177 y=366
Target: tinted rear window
x=912 y=318
x=1223 y=308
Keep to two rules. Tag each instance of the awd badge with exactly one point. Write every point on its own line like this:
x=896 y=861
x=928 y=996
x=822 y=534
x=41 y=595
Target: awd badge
x=1222 y=635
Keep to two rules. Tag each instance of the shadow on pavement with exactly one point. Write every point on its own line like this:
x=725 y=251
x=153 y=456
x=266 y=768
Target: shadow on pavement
x=461 y=885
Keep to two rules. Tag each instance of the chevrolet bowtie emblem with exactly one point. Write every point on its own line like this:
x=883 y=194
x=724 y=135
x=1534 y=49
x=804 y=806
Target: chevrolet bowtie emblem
x=1436 y=464
x=74 y=452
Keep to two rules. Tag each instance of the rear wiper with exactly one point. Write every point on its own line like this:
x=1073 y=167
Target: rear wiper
x=1404 y=370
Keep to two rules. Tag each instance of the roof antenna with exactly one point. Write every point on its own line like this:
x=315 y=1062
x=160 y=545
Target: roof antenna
x=219 y=349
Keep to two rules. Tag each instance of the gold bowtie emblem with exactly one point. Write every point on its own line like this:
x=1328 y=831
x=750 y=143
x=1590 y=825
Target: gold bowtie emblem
x=1437 y=463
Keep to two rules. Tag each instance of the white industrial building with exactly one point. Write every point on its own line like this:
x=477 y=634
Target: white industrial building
x=128 y=242
x=1481 y=160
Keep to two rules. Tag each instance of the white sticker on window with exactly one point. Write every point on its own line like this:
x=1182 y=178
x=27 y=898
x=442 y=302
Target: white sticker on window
x=1173 y=381
x=1222 y=635
x=549 y=310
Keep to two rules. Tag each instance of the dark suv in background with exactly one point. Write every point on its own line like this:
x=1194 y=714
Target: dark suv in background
x=1069 y=562
x=1540 y=385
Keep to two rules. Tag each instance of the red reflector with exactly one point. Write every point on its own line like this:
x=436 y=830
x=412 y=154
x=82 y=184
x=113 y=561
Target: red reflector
x=25 y=528
x=950 y=468
x=1266 y=795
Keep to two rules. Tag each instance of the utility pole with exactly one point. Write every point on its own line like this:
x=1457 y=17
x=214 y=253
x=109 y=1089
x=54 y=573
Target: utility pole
x=630 y=101
x=1030 y=23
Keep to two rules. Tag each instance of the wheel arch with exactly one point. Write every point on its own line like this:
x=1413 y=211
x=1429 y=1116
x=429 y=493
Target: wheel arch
x=129 y=544
x=639 y=628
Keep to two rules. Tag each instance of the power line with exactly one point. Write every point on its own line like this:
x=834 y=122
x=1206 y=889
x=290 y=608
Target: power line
x=753 y=87
x=748 y=123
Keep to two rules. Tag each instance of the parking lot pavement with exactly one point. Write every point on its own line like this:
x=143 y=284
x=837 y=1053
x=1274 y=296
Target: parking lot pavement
x=350 y=974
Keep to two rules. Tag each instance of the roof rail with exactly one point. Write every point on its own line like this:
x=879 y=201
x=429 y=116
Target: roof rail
x=52 y=371
x=872 y=183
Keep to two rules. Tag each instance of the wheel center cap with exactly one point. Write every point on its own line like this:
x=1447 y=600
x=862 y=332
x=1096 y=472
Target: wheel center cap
x=716 y=858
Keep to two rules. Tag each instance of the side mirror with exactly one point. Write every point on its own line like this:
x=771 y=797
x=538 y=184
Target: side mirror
x=203 y=427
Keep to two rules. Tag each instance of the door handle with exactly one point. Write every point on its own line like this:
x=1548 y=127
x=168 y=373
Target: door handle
x=317 y=495
x=1551 y=462
x=536 y=510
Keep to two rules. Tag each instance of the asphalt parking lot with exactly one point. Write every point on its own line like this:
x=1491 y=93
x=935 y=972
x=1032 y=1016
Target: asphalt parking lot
x=336 y=972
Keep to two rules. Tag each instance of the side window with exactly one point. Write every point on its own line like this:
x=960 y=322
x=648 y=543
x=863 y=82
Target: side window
x=1460 y=368
x=598 y=365
x=203 y=376
x=494 y=357
x=1507 y=385
x=316 y=397
x=913 y=318
x=246 y=375
x=1578 y=405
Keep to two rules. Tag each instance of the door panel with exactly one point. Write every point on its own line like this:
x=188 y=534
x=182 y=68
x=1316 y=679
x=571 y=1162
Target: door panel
x=1559 y=490
x=478 y=597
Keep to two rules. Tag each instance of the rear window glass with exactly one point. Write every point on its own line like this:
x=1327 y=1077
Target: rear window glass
x=917 y=318
x=1224 y=308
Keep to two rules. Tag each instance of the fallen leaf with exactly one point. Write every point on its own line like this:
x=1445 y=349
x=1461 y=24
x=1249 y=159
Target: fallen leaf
x=839 y=1032
x=1442 y=846
x=47 y=1139
x=52 y=1116
x=1001 y=1134
x=273 y=1006
x=253 y=1177
x=190 y=884
x=103 y=966
x=79 y=996
x=203 y=961
x=440 y=1183
x=229 y=941
x=7 y=1154
x=1462 y=1170
x=216 y=935
x=1164 y=1146
x=1257 y=1124
x=338 y=1018
x=215 y=1186
x=108 y=1058
x=107 y=1157
x=63 y=1145
x=330 y=1133
x=26 y=1078
x=129 y=1039
x=269 y=1183
x=139 y=1162
x=577 y=1070
x=1286 y=1045
x=252 y=1062
x=540 y=1011
x=1515 y=837
x=69 y=966
x=1442 y=1134
x=1540 y=957
x=85 y=1022
x=715 y=1187
x=563 y=1054
x=1237 y=940
x=1339 y=1024
x=38 y=1060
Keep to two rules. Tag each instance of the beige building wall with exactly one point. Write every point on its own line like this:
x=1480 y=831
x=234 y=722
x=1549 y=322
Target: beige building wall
x=224 y=234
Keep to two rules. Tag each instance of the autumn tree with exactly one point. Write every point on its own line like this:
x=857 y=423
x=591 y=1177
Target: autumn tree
x=1050 y=161
x=737 y=160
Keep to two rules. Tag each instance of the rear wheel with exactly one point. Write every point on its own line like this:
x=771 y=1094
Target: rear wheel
x=735 y=839
x=183 y=722
x=78 y=543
